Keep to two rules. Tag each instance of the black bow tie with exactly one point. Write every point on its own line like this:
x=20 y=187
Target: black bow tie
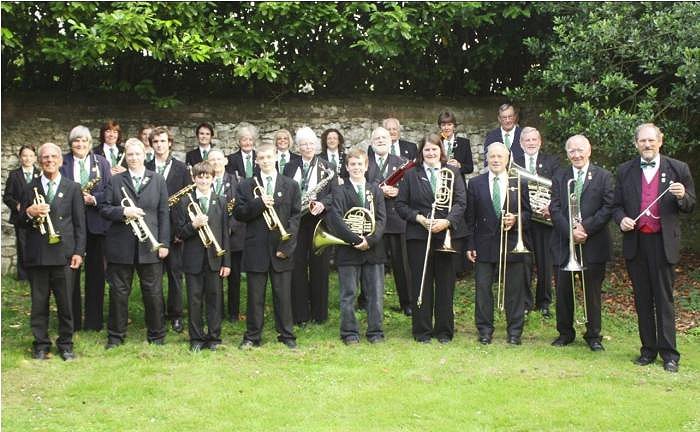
x=651 y=164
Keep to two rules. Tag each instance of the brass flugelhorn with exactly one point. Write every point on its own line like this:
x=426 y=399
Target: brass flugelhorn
x=574 y=265
x=358 y=219
x=177 y=196
x=40 y=221
x=270 y=214
x=205 y=232
x=138 y=224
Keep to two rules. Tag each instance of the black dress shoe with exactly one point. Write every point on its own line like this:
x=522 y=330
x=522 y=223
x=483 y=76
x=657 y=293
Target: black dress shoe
x=484 y=340
x=596 y=346
x=351 y=340
x=545 y=313
x=67 y=355
x=444 y=340
x=671 y=366
x=290 y=343
x=375 y=339
x=40 y=355
x=196 y=347
x=514 y=340
x=562 y=341
x=407 y=311
x=213 y=346
x=177 y=325
x=643 y=360
x=157 y=341
x=246 y=344
x=423 y=340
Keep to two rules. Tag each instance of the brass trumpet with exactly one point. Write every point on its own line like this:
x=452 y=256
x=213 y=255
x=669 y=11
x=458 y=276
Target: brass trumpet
x=138 y=224
x=573 y=265
x=177 y=196
x=358 y=219
x=205 y=232
x=54 y=237
x=270 y=215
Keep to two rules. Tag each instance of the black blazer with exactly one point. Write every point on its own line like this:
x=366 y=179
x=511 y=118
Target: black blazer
x=462 y=151
x=236 y=165
x=407 y=149
x=96 y=224
x=292 y=157
x=236 y=228
x=416 y=197
x=121 y=245
x=546 y=165
x=99 y=150
x=325 y=195
x=68 y=219
x=394 y=223
x=194 y=255
x=194 y=156
x=14 y=188
x=341 y=170
x=484 y=225
x=628 y=196
x=178 y=177
x=344 y=198
x=596 y=207
x=262 y=244
x=495 y=136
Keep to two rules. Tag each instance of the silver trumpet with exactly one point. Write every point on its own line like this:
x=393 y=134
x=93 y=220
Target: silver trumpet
x=138 y=224
x=270 y=214
x=205 y=232
x=43 y=223
x=574 y=265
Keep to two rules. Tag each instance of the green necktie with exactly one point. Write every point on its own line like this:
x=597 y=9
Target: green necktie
x=28 y=177
x=248 y=167
x=114 y=156
x=496 y=198
x=137 y=183
x=532 y=165
x=204 y=204
x=507 y=140
x=84 y=176
x=51 y=192
x=268 y=188
x=305 y=180
x=579 y=185
x=283 y=161
x=333 y=160
x=433 y=178
x=382 y=168
x=394 y=149
x=161 y=170
x=361 y=194
x=205 y=154
x=217 y=187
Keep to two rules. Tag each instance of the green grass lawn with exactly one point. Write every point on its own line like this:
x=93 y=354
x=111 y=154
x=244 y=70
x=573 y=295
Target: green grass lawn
x=324 y=385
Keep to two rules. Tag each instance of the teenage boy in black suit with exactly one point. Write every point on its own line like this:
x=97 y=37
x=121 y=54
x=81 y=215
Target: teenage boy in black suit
x=51 y=266
x=265 y=253
x=205 y=133
x=204 y=265
x=126 y=254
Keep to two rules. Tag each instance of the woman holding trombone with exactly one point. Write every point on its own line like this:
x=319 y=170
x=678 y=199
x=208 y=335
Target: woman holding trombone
x=432 y=200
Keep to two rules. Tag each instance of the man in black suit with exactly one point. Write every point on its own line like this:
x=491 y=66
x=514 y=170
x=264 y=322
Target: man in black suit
x=593 y=188
x=283 y=142
x=225 y=186
x=17 y=180
x=651 y=241
x=381 y=165
x=458 y=149
x=507 y=133
x=242 y=162
x=398 y=147
x=51 y=266
x=110 y=146
x=200 y=217
x=542 y=165
x=147 y=207
x=492 y=199
x=177 y=176
x=205 y=133
x=311 y=271
x=85 y=168
x=265 y=253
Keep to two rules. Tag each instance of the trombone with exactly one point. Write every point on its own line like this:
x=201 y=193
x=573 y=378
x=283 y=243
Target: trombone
x=205 y=232
x=443 y=201
x=40 y=221
x=269 y=214
x=573 y=265
x=138 y=224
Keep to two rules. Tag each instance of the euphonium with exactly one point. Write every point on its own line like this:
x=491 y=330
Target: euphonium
x=205 y=232
x=358 y=219
x=270 y=215
x=177 y=196
x=138 y=224
x=54 y=237
x=539 y=191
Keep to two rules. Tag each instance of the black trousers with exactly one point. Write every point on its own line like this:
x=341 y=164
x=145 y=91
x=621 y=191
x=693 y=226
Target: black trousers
x=44 y=280
x=204 y=293
x=281 y=300
x=652 y=281
x=94 y=286
x=20 y=241
x=173 y=266
x=485 y=274
x=398 y=257
x=593 y=277
x=542 y=259
x=310 y=276
x=234 y=286
x=120 y=278
x=438 y=292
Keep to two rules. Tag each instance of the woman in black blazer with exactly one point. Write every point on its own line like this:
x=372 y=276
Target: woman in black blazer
x=333 y=150
x=16 y=182
x=414 y=204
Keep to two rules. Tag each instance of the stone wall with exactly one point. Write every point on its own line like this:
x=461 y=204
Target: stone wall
x=36 y=119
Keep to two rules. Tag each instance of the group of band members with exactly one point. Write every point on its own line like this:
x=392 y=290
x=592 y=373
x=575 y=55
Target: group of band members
x=136 y=208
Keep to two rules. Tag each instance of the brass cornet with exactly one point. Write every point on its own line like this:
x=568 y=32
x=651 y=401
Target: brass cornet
x=205 y=232
x=573 y=265
x=138 y=224
x=270 y=215
x=54 y=237
x=177 y=196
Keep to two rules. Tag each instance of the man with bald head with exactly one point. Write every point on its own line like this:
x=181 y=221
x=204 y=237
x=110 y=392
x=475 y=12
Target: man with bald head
x=651 y=239
x=593 y=188
x=51 y=264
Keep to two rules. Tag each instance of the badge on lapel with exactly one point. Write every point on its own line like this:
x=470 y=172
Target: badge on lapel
x=145 y=181
x=663 y=177
x=60 y=194
x=279 y=194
